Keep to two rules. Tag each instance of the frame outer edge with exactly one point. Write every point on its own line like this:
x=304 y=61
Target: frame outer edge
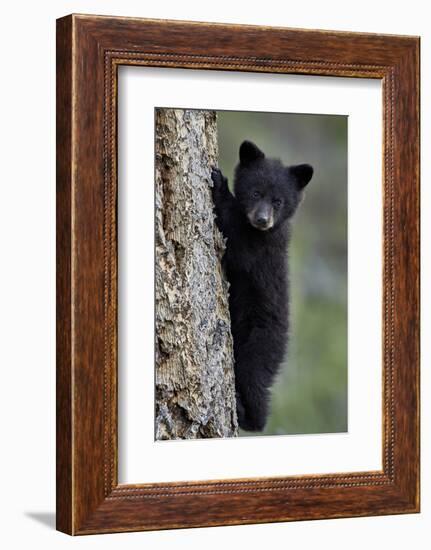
x=407 y=267
x=64 y=352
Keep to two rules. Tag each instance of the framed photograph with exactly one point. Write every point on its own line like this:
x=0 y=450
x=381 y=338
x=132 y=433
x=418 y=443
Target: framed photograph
x=237 y=274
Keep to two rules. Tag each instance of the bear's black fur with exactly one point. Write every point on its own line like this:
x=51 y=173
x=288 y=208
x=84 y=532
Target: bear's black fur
x=256 y=223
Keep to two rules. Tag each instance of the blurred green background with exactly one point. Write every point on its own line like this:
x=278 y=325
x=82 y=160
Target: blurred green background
x=310 y=394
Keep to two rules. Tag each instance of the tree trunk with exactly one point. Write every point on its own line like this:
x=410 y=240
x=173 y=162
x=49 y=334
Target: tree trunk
x=195 y=389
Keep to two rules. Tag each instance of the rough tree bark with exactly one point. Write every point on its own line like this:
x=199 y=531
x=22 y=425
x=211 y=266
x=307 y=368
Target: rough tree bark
x=195 y=389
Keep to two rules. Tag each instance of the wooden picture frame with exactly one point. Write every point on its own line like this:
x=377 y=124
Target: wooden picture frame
x=89 y=52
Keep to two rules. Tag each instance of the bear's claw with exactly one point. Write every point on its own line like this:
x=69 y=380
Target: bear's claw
x=219 y=181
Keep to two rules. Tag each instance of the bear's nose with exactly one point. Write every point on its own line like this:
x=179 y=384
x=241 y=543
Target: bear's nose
x=262 y=221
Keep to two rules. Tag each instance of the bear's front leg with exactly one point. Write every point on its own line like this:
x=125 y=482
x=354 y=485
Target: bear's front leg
x=220 y=186
x=224 y=201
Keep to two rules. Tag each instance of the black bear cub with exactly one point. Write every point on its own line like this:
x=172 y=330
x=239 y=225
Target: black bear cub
x=256 y=223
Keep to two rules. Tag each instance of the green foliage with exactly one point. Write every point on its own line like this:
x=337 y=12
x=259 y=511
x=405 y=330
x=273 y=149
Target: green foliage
x=310 y=395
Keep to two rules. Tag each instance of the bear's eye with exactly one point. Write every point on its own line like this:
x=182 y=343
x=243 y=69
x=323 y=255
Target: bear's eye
x=276 y=203
x=255 y=194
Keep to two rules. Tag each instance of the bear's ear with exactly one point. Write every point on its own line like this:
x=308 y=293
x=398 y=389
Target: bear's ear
x=249 y=152
x=302 y=174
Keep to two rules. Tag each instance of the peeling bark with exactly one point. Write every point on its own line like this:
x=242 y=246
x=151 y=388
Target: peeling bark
x=195 y=389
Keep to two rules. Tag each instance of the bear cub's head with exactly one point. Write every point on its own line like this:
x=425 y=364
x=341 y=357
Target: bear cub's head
x=268 y=192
